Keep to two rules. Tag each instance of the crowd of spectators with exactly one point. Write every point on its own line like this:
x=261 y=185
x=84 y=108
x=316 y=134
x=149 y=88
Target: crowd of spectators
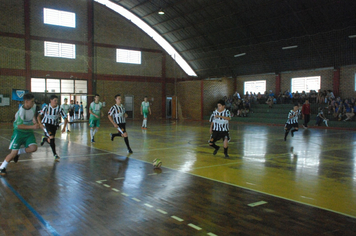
x=340 y=109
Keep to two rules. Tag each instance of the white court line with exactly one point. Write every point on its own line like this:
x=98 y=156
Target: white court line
x=135 y=199
x=116 y=190
x=211 y=234
x=161 y=211
x=108 y=186
x=177 y=218
x=125 y=194
x=148 y=205
x=119 y=178
x=256 y=203
x=194 y=226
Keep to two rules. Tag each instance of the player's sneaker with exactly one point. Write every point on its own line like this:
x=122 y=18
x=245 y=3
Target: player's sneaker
x=3 y=171
x=16 y=158
x=56 y=157
x=129 y=151
x=43 y=139
x=68 y=131
x=285 y=138
x=292 y=134
x=112 y=137
x=216 y=151
x=227 y=155
x=92 y=140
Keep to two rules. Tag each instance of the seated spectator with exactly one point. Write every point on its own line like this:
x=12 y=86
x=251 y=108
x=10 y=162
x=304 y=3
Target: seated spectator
x=350 y=114
x=312 y=96
x=269 y=101
x=321 y=118
x=245 y=108
x=320 y=97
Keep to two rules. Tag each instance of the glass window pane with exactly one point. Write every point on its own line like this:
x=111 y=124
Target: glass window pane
x=80 y=86
x=258 y=86
x=53 y=86
x=67 y=86
x=38 y=85
x=128 y=56
x=56 y=17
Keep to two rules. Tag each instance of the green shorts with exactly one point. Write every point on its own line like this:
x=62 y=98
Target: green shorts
x=19 y=138
x=145 y=114
x=94 y=122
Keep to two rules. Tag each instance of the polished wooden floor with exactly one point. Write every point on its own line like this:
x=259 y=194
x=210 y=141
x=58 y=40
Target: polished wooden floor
x=304 y=186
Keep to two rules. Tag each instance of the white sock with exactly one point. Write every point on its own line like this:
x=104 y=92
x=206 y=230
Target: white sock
x=21 y=151
x=143 y=123
x=4 y=164
x=94 y=132
x=91 y=133
x=146 y=123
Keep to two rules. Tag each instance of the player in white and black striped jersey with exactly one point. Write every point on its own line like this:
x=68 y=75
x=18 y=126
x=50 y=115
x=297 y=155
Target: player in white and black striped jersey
x=49 y=119
x=292 y=122
x=219 y=128
x=117 y=117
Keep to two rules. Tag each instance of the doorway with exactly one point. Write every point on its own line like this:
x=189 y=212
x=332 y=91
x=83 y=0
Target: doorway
x=129 y=105
x=168 y=107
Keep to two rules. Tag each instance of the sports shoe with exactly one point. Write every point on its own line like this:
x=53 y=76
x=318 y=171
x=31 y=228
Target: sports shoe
x=129 y=151
x=56 y=157
x=3 y=171
x=68 y=131
x=227 y=155
x=16 y=158
x=43 y=139
x=92 y=140
x=112 y=137
x=216 y=151
x=292 y=134
x=304 y=127
x=285 y=138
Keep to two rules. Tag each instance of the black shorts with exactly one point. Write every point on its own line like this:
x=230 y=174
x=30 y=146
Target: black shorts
x=217 y=135
x=122 y=126
x=51 y=129
x=290 y=126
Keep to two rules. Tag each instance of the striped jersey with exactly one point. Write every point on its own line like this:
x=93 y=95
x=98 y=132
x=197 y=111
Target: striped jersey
x=25 y=117
x=293 y=120
x=52 y=115
x=219 y=124
x=118 y=113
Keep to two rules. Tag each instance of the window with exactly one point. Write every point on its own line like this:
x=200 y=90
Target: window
x=128 y=56
x=355 y=82
x=258 y=86
x=53 y=85
x=60 y=18
x=67 y=86
x=64 y=50
x=80 y=86
x=305 y=84
x=38 y=85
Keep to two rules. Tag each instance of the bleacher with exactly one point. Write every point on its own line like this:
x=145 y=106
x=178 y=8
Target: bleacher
x=261 y=113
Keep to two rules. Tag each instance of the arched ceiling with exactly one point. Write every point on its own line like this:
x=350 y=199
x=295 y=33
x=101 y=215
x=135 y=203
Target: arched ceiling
x=208 y=33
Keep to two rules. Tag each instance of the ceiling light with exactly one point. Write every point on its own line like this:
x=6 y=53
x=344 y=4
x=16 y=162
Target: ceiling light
x=352 y=36
x=239 y=55
x=161 y=12
x=290 y=47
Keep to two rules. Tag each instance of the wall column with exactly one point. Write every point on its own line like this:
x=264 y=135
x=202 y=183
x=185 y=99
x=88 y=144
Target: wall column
x=202 y=99
x=278 y=84
x=163 y=85
x=27 y=45
x=336 y=82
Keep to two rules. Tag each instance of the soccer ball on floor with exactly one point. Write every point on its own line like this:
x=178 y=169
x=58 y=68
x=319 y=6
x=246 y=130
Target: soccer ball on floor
x=156 y=163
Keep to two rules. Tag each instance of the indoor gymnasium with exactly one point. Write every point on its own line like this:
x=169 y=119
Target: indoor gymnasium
x=162 y=117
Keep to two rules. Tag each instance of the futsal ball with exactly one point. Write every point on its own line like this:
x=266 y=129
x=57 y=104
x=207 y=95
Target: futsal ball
x=157 y=163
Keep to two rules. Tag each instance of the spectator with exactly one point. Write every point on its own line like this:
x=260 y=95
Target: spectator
x=320 y=117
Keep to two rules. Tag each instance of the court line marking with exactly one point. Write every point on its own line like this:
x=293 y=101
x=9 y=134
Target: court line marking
x=116 y=190
x=256 y=204
x=194 y=226
x=148 y=205
x=38 y=216
x=177 y=218
x=135 y=199
x=211 y=234
x=162 y=211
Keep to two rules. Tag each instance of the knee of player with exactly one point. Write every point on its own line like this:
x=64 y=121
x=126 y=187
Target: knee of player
x=33 y=148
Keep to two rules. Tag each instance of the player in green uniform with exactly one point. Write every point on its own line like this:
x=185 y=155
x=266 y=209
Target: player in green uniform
x=65 y=106
x=145 y=108
x=95 y=114
x=24 y=124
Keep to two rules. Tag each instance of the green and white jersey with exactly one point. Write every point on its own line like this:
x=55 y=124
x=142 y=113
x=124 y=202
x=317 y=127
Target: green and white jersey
x=65 y=108
x=95 y=108
x=24 y=117
x=145 y=106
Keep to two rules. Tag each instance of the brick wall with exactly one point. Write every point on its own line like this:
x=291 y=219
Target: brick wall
x=347 y=81
x=214 y=91
x=189 y=99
